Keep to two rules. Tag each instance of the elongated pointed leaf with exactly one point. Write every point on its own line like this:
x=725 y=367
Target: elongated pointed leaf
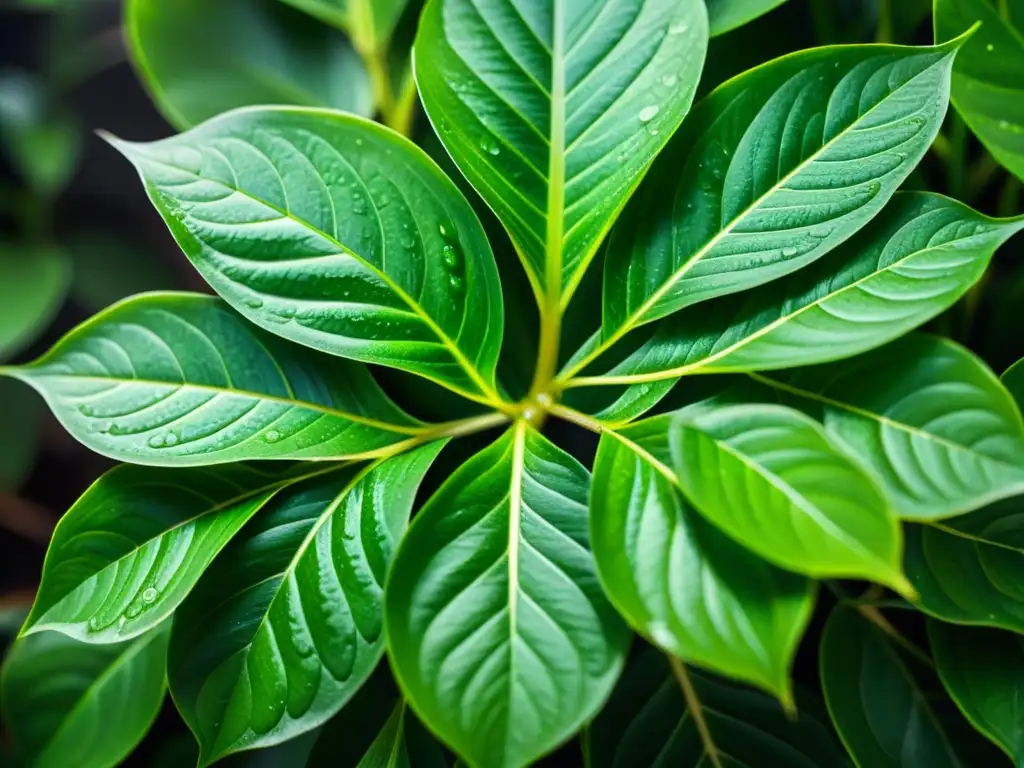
x=928 y=417
x=988 y=79
x=771 y=171
x=875 y=704
x=769 y=477
x=916 y=259
x=179 y=379
x=554 y=109
x=970 y=569
x=336 y=233
x=199 y=59
x=70 y=704
x=133 y=546
x=646 y=723
x=686 y=585
x=498 y=631
x=983 y=670
x=726 y=15
x=286 y=624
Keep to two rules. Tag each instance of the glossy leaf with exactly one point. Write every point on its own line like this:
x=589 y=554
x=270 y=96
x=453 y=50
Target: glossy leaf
x=983 y=671
x=199 y=59
x=33 y=282
x=179 y=379
x=928 y=417
x=913 y=261
x=770 y=478
x=970 y=569
x=646 y=724
x=880 y=713
x=76 y=705
x=133 y=546
x=988 y=78
x=336 y=233
x=687 y=586
x=1013 y=380
x=726 y=15
x=553 y=110
x=498 y=631
x=771 y=171
x=285 y=626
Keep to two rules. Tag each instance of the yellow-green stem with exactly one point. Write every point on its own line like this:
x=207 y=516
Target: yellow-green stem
x=696 y=709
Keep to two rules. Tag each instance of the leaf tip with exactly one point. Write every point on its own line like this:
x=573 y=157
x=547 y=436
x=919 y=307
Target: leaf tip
x=960 y=40
x=126 y=148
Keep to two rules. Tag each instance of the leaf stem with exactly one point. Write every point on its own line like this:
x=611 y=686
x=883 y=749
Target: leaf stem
x=695 y=708
x=579 y=419
x=884 y=33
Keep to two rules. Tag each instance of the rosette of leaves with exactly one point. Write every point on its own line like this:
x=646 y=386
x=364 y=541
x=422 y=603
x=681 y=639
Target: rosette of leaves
x=758 y=234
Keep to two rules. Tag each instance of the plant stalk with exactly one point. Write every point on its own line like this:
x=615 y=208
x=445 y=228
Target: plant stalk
x=696 y=709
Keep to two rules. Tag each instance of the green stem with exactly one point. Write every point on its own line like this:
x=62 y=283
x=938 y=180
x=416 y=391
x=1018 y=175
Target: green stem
x=696 y=710
x=884 y=32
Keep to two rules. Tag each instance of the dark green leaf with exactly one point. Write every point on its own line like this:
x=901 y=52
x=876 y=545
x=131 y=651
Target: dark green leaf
x=179 y=379
x=285 y=626
x=725 y=15
x=1013 y=380
x=684 y=584
x=498 y=630
x=369 y=22
x=199 y=59
x=33 y=282
x=554 y=110
x=336 y=233
x=880 y=713
x=77 y=705
x=983 y=670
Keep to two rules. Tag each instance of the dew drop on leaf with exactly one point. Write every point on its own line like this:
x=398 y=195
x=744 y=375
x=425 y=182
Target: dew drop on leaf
x=171 y=439
x=668 y=80
x=150 y=595
x=648 y=113
x=455 y=282
x=990 y=47
x=789 y=251
x=156 y=441
x=678 y=28
x=272 y=436
x=450 y=256
x=254 y=303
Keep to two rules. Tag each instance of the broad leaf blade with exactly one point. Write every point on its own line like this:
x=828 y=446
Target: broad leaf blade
x=726 y=15
x=180 y=379
x=1013 y=380
x=687 y=586
x=199 y=59
x=875 y=704
x=75 y=705
x=498 y=631
x=286 y=624
x=554 y=109
x=336 y=233
x=928 y=417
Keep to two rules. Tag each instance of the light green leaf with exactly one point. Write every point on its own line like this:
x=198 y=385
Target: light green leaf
x=880 y=713
x=75 y=705
x=498 y=631
x=913 y=261
x=726 y=15
x=687 y=586
x=970 y=569
x=285 y=626
x=988 y=78
x=646 y=724
x=1013 y=380
x=180 y=379
x=133 y=546
x=983 y=670
x=771 y=171
x=928 y=417
x=199 y=59
x=554 y=109
x=33 y=283
x=769 y=477
x=337 y=233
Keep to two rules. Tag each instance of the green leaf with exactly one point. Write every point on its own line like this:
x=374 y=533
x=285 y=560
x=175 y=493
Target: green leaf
x=285 y=626
x=369 y=22
x=770 y=478
x=498 y=631
x=1013 y=380
x=913 y=261
x=337 y=233
x=199 y=59
x=771 y=171
x=180 y=379
x=553 y=111
x=76 y=705
x=133 y=546
x=33 y=283
x=687 y=586
x=19 y=434
x=988 y=78
x=646 y=723
x=983 y=670
x=875 y=704
x=726 y=15
x=927 y=417
x=970 y=569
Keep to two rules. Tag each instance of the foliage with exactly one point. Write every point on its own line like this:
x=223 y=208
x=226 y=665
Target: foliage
x=287 y=514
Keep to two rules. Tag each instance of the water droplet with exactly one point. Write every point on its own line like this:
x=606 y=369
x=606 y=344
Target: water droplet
x=647 y=113
x=272 y=436
x=455 y=282
x=133 y=610
x=359 y=142
x=150 y=595
x=441 y=228
x=874 y=188
x=254 y=303
x=450 y=256
x=490 y=146
x=654 y=131
x=171 y=439
x=383 y=201
x=1004 y=124
x=823 y=230
x=156 y=441
x=678 y=28
x=285 y=313
x=668 y=80
x=789 y=251
x=990 y=47
x=358 y=205
x=93 y=624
